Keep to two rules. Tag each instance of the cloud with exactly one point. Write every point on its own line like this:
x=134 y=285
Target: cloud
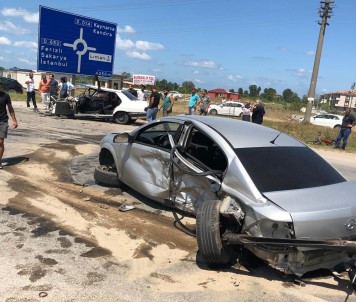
x=202 y=63
x=1 y=58
x=301 y=72
x=9 y=27
x=127 y=30
x=28 y=62
x=26 y=44
x=5 y=41
x=137 y=55
x=310 y=53
x=156 y=70
x=124 y=43
x=198 y=81
x=144 y=45
x=234 y=78
x=20 y=12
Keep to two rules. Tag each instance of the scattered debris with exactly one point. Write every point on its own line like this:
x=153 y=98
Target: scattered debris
x=42 y=294
x=126 y=207
x=299 y=282
x=86 y=198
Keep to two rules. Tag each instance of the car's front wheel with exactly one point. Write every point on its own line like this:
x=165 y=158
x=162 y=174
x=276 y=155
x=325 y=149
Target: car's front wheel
x=213 y=112
x=209 y=232
x=106 y=175
x=121 y=118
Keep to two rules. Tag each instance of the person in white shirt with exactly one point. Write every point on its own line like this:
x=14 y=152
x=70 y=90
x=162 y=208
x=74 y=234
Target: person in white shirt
x=141 y=94
x=30 y=88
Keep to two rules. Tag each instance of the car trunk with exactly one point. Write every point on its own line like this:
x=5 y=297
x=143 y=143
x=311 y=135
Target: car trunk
x=327 y=212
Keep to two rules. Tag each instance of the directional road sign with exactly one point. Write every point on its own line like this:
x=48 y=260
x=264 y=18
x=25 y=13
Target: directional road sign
x=69 y=43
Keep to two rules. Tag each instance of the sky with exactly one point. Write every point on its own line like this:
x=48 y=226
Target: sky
x=213 y=43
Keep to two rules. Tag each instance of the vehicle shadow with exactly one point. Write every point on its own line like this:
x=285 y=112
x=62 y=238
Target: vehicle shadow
x=12 y=161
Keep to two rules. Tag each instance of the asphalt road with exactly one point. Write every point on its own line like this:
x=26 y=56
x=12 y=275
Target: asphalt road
x=63 y=238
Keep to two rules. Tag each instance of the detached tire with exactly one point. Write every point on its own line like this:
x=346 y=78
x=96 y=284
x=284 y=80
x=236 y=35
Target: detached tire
x=209 y=231
x=104 y=176
x=122 y=118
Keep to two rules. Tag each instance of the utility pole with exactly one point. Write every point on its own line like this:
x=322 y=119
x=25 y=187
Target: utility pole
x=324 y=13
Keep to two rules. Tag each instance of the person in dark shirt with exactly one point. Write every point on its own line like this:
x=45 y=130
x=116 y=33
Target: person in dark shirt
x=5 y=101
x=348 y=122
x=258 y=111
x=53 y=84
x=132 y=90
x=153 y=105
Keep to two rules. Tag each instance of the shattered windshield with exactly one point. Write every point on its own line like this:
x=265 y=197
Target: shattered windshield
x=287 y=168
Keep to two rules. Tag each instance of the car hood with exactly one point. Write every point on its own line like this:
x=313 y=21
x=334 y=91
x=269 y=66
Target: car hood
x=327 y=212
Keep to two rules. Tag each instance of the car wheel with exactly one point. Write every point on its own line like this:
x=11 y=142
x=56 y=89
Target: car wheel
x=213 y=112
x=337 y=126
x=121 y=118
x=209 y=231
x=104 y=175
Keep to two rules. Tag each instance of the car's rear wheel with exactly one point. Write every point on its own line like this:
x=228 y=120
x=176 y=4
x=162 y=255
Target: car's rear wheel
x=213 y=112
x=209 y=232
x=121 y=118
x=106 y=175
x=337 y=126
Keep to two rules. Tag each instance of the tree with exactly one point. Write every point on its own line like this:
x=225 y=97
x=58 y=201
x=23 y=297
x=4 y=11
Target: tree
x=187 y=86
x=231 y=90
x=269 y=93
x=240 y=91
x=245 y=92
x=253 y=90
x=290 y=96
x=287 y=95
x=126 y=75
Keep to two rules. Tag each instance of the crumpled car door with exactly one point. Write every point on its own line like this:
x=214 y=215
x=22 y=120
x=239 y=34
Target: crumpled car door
x=146 y=170
x=190 y=184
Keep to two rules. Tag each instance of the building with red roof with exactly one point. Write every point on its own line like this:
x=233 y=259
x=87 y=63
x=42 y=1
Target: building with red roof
x=222 y=93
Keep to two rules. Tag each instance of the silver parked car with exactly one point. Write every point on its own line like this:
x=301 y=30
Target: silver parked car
x=247 y=185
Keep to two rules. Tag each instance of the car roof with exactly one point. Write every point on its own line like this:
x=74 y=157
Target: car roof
x=102 y=88
x=241 y=134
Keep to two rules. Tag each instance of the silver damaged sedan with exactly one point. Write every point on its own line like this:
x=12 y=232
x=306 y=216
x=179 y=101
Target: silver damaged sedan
x=247 y=185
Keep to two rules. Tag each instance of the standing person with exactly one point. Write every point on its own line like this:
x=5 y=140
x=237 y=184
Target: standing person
x=348 y=122
x=153 y=105
x=63 y=93
x=246 y=112
x=53 y=86
x=5 y=100
x=193 y=101
x=71 y=88
x=168 y=102
x=258 y=111
x=205 y=102
x=43 y=89
x=30 y=89
x=132 y=90
x=141 y=94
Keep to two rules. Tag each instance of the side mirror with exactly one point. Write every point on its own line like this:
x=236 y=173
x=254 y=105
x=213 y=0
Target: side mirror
x=122 y=138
